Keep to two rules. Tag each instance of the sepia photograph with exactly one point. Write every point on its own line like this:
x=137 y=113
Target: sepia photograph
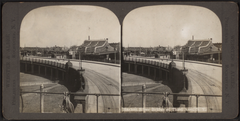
x=120 y=60
x=70 y=60
x=172 y=60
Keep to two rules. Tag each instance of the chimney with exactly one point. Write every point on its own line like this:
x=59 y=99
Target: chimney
x=192 y=37
x=88 y=37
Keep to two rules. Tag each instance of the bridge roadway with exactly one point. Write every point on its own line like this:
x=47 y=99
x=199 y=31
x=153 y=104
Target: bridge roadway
x=205 y=78
x=101 y=78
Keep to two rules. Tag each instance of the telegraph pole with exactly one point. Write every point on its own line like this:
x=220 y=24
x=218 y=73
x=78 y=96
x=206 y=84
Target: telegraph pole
x=219 y=54
x=115 y=52
x=183 y=60
x=80 y=60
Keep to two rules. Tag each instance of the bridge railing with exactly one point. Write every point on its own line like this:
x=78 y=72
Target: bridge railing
x=82 y=99
x=44 y=62
x=45 y=68
x=166 y=94
x=147 y=61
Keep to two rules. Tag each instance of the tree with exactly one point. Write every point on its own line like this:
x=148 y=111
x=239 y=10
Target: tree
x=34 y=52
x=176 y=47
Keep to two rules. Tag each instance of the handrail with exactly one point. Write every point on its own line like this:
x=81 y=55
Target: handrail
x=150 y=62
x=180 y=94
x=73 y=93
x=42 y=93
x=167 y=94
x=45 y=62
x=88 y=61
x=190 y=61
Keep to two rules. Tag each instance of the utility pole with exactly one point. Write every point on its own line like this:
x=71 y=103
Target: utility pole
x=128 y=51
x=183 y=60
x=219 y=54
x=80 y=60
x=115 y=52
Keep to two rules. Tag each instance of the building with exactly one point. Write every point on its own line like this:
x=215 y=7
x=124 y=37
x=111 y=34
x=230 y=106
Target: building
x=95 y=47
x=200 y=50
x=43 y=51
x=72 y=51
x=99 y=50
x=146 y=51
x=117 y=46
x=218 y=45
x=176 y=52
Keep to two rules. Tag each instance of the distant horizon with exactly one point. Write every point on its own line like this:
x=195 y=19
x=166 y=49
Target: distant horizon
x=64 y=45
x=162 y=46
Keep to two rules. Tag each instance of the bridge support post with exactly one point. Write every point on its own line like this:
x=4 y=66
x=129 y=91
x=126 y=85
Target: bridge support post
x=135 y=68
x=160 y=74
x=56 y=74
x=26 y=67
x=154 y=76
x=148 y=71
x=32 y=68
x=129 y=67
x=39 y=69
x=142 y=69
x=45 y=71
x=166 y=75
x=62 y=75
x=51 y=74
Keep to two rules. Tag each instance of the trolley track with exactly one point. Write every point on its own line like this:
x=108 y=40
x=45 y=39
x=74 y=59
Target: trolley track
x=109 y=103
x=212 y=103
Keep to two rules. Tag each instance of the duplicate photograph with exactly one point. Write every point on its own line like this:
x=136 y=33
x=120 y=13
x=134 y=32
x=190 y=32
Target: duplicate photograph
x=172 y=60
x=70 y=60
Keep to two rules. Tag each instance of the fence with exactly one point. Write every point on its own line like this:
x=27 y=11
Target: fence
x=144 y=93
x=43 y=93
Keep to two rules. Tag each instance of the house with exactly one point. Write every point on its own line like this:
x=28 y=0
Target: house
x=99 y=50
x=201 y=50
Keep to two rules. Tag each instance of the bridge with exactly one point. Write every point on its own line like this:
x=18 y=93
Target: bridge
x=198 y=78
x=100 y=85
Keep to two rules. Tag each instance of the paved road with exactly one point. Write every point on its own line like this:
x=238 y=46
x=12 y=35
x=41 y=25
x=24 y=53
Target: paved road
x=102 y=79
x=203 y=84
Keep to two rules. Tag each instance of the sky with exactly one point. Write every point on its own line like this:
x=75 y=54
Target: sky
x=68 y=25
x=170 y=25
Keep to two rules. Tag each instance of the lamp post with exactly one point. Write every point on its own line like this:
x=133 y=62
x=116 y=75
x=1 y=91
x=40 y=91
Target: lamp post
x=219 y=52
x=211 y=56
x=183 y=56
x=80 y=60
x=107 y=56
x=115 y=52
x=184 y=71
